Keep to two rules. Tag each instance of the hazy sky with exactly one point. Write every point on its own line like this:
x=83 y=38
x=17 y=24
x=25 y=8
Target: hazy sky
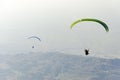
x=50 y=20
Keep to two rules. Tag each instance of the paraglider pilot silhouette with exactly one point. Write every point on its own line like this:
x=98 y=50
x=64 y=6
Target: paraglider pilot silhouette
x=86 y=51
x=32 y=46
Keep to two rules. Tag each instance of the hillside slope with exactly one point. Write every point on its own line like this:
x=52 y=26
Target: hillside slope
x=57 y=66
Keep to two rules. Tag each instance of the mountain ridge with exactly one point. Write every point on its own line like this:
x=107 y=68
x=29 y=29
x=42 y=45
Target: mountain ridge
x=58 y=66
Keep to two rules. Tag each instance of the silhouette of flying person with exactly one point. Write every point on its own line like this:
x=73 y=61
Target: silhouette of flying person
x=32 y=46
x=86 y=51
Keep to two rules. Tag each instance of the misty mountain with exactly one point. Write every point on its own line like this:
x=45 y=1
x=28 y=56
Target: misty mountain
x=57 y=66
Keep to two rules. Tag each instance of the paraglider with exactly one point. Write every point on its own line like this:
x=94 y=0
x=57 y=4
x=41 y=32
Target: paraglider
x=34 y=37
x=92 y=20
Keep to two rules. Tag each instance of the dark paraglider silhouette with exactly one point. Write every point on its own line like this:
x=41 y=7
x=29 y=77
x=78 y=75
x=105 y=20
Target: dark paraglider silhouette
x=86 y=51
x=32 y=46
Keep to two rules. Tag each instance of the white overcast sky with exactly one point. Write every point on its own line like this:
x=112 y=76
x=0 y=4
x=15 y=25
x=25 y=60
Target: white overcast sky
x=50 y=20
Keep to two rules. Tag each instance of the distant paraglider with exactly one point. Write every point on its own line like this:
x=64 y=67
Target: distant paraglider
x=34 y=37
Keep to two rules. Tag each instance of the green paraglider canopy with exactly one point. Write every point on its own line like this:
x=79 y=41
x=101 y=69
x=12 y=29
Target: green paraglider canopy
x=92 y=20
